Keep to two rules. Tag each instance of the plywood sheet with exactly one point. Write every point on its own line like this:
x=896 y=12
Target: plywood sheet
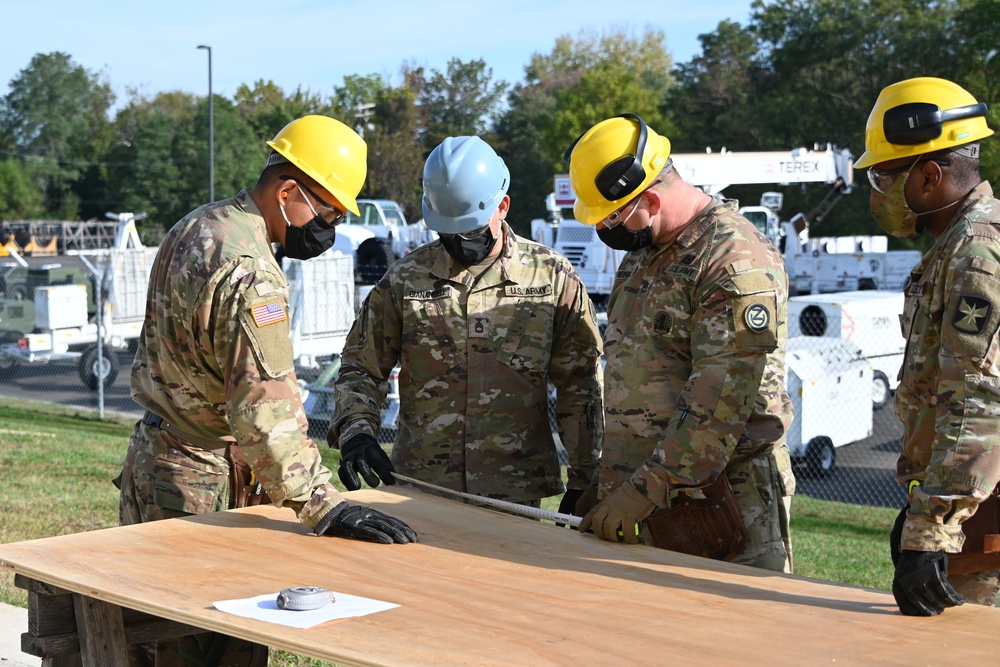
x=483 y=588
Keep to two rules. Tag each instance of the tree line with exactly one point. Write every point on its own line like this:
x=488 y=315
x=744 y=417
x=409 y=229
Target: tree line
x=799 y=73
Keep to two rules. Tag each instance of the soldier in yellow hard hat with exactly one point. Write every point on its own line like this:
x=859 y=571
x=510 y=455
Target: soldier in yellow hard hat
x=224 y=422
x=922 y=147
x=694 y=397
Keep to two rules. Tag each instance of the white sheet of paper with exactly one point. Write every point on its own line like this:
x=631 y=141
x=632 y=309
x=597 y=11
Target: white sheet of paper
x=265 y=608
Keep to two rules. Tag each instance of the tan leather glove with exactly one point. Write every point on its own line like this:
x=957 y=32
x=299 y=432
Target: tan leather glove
x=615 y=518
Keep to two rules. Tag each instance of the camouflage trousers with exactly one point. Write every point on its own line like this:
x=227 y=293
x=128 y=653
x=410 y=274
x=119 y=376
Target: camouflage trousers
x=765 y=511
x=978 y=587
x=163 y=478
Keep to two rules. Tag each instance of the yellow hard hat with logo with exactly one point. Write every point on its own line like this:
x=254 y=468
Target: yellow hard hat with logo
x=329 y=152
x=921 y=115
x=613 y=162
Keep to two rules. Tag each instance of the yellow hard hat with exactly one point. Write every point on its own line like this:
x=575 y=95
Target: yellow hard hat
x=921 y=115
x=611 y=163
x=329 y=152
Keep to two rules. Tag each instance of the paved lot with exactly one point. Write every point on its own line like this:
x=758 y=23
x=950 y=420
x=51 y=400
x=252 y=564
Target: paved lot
x=14 y=621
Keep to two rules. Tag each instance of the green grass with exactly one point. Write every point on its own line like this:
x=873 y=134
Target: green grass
x=56 y=467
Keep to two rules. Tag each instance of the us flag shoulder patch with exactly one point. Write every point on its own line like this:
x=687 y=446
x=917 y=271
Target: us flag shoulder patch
x=268 y=313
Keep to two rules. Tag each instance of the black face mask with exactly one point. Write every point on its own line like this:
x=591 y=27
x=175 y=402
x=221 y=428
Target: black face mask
x=310 y=240
x=623 y=238
x=469 y=252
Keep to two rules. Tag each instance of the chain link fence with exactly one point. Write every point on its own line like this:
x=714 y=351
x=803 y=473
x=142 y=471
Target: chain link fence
x=843 y=354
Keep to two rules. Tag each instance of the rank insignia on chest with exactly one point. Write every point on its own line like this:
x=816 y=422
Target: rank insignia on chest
x=268 y=313
x=972 y=314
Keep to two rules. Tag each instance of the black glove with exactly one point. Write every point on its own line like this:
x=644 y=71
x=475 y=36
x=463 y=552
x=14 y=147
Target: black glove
x=568 y=503
x=362 y=454
x=358 y=522
x=920 y=584
x=896 y=535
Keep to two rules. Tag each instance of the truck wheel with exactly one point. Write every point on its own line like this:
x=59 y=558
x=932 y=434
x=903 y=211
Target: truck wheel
x=9 y=364
x=90 y=372
x=373 y=258
x=821 y=456
x=880 y=390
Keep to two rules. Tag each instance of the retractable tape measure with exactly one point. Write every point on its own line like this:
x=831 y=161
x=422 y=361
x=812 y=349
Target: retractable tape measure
x=304 y=598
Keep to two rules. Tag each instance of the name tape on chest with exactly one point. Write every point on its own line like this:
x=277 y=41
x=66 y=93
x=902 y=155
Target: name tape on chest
x=530 y=291
x=271 y=312
x=428 y=294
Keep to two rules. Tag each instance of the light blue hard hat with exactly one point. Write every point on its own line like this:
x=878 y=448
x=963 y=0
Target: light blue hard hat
x=464 y=183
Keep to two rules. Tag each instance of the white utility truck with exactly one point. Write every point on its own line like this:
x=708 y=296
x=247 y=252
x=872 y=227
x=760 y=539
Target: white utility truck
x=867 y=318
x=813 y=265
x=64 y=330
x=828 y=381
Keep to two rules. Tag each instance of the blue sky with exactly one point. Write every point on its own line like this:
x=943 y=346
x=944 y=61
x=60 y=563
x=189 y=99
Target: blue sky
x=152 y=46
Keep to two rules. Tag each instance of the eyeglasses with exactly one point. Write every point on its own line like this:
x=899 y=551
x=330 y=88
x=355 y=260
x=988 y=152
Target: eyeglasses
x=615 y=218
x=881 y=180
x=332 y=215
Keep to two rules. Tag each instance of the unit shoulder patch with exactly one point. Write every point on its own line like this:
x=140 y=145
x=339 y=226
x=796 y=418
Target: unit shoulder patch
x=758 y=317
x=972 y=314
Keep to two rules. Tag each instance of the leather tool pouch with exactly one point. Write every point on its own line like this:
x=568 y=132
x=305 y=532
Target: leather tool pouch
x=981 y=551
x=710 y=527
x=244 y=493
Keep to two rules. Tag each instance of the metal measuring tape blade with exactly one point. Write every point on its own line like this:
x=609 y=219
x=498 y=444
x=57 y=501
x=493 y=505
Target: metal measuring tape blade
x=304 y=598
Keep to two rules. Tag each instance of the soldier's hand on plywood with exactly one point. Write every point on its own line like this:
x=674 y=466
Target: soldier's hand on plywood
x=363 y=455
x=921 y=586
x=616 y=517
x=358 y=522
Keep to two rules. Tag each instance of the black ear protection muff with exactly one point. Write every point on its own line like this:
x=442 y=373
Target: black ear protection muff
x=623 y=176
x=920 y=122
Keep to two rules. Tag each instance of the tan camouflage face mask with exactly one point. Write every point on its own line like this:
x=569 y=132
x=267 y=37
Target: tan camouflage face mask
x=891 y=211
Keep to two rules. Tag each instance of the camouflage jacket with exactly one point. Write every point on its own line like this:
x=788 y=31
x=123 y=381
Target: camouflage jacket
x=476 y=357
x=695 y=358
x=949 y=393
x=215 y=358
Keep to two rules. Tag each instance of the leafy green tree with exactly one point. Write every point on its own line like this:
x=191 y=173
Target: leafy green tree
x=395 y=160
x=581 y=82
x=266 y=108
x=350 y=100
x=462 y=101
x=159 y=164
x=55 y=115
x=20 y=197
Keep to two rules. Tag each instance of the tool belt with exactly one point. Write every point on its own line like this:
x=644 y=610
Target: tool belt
x=981 y=550
x=710 y=527
x=245 y=490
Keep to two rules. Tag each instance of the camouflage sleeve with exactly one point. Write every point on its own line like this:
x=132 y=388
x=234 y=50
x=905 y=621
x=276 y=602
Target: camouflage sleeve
x=576 y=373
x=263 y=403
x=965 y=455
x=735 y=324
x=371 y=352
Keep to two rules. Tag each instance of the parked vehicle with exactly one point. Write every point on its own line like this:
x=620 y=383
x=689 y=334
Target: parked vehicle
x=868 y=318
x=824 y=377
x=391 y=237
x=317 y=397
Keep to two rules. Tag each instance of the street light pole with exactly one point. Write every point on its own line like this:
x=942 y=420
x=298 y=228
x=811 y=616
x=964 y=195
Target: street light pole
x=211 y=128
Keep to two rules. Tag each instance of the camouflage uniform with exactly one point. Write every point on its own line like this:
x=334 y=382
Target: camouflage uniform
x=695 y=375
x=950 y=383
x=215 y=362
x=476 y=355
